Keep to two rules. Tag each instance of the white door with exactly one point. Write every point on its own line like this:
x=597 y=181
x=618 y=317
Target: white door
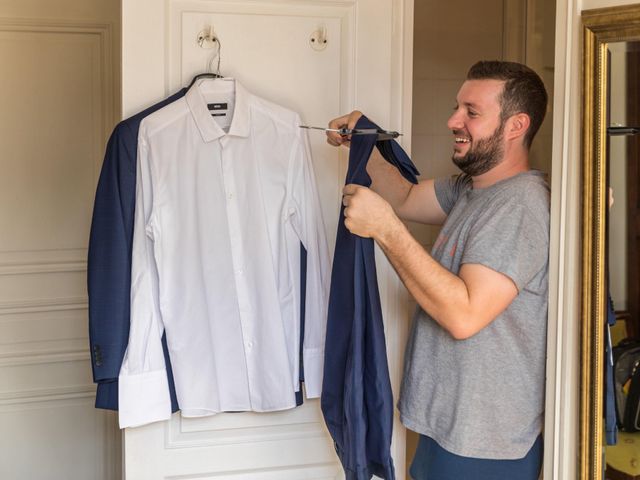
x=59 y=100
x=267 y=46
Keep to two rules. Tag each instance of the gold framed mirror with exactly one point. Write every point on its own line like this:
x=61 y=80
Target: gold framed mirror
x=605 y=30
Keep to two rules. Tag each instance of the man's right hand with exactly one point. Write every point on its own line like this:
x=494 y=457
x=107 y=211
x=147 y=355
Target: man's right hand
x=346 y=121
x=416 y=203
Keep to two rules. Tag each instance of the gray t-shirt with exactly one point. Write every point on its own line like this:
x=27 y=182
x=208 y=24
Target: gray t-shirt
x=483 y=397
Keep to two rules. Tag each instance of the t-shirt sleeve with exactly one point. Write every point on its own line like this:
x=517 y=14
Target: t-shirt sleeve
x=449 y=189
x=511 y=239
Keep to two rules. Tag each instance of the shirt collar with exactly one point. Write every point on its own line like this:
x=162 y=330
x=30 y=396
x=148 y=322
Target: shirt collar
x=208 y=127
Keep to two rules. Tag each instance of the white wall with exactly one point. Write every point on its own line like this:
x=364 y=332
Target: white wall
x=539 y=48
x=447 y=41
x=562 y=407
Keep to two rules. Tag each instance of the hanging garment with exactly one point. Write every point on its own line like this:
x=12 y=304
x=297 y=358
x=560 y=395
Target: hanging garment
x=357 y=401
x=109 y=259
x=610 y=423
x=222 y=205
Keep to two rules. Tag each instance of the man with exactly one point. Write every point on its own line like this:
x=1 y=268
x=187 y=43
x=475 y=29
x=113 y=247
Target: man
x=473 y=383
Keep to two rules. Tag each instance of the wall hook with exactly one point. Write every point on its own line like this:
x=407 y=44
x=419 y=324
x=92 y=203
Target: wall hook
x=207 y=38
x=318 y=39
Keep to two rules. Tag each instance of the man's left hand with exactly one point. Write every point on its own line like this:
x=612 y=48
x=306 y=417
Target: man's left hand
x=366 y=213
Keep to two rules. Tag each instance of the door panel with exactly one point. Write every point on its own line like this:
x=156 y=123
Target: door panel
x=266 y=46
x=58 y=98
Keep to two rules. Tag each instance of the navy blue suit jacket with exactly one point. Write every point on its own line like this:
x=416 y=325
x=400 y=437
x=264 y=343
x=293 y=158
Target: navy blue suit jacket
x=357 y=401
x=109 y=259
x=109 y=263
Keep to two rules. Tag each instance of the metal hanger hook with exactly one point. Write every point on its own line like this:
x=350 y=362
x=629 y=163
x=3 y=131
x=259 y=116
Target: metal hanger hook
x=214 y=56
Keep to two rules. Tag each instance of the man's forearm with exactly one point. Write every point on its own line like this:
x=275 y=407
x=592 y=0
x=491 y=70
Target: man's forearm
x=387 y=180
x=439 y=292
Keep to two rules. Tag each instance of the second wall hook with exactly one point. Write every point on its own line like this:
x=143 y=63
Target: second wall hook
x=207 y=38
x=318 y=39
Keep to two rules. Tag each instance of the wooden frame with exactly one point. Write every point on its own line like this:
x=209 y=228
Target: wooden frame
x=600 y=27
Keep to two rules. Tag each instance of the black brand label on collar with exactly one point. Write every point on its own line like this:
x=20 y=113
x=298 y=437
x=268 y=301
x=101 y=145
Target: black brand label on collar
x=218 y=114
x=217 y=106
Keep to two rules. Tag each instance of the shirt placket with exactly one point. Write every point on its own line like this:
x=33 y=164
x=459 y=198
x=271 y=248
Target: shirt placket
x=238 y=258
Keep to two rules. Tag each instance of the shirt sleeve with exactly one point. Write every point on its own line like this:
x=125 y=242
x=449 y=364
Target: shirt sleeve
x=509 y=238
x=449 y=189
x=308 y=225
x=143 y=395
x=109 y=256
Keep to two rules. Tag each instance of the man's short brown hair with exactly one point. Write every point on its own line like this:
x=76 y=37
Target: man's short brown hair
x=523 y=91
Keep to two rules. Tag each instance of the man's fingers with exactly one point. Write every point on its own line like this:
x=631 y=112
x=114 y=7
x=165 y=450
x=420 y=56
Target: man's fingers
x=339 y=121
x=334 y=138
x=353 y=119
x=349 y=189
x=348 y=192
x=346 y=121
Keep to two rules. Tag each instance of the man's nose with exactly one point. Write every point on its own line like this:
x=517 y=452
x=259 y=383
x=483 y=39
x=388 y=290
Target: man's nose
x=455 y=121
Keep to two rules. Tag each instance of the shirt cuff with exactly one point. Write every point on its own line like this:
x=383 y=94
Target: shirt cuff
x=143 y=398
x=313 y=366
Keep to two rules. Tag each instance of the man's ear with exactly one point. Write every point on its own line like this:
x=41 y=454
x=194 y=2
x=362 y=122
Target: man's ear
x=517 y=126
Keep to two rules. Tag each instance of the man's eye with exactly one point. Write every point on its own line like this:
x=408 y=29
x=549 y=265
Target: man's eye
x=472 y=113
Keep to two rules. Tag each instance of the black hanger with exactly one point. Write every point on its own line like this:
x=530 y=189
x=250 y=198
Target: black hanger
x=203 y=75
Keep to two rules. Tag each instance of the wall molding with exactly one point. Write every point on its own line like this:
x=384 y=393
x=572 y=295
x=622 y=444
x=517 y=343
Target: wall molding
x=320 y=471
x=45 y=395
x=47 y=25
x=18 y=258
x=44 y=357
x=176 y=437
x=563 y=335
x=104 y=76
x=44 y=305
x=35 y=268
x=340 y=10
x=104 y=32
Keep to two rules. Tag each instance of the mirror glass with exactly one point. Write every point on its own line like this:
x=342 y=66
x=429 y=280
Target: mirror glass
x=622 y=460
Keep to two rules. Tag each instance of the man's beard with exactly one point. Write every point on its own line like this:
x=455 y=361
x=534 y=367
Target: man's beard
x=482 y=156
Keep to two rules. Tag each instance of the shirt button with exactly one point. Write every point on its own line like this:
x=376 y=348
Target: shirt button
x=250 y=344
x=230 y=196
x=240 y=272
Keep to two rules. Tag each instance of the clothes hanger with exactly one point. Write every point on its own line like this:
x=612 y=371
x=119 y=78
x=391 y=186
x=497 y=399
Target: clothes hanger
x=203 y=75
x=209 y=73
x=382 y=134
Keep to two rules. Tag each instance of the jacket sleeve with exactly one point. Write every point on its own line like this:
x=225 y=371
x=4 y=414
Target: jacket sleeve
x=308 y=225
x=143 y=395
x=109 y=257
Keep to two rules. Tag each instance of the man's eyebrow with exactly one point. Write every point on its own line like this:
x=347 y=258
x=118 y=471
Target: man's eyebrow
x=467 y=104
x=470 y=104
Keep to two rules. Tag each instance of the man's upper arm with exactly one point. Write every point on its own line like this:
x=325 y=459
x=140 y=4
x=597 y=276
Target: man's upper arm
x=490 y=293
x=421 y=205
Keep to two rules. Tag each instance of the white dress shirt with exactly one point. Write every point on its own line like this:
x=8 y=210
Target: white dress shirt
x=222 y=204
